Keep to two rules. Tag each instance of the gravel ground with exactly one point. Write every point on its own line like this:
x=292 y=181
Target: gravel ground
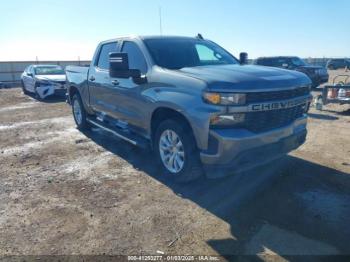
x=63 y=192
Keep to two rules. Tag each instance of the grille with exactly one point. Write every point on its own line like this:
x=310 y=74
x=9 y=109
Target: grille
x=267 y=120
x=276 y=95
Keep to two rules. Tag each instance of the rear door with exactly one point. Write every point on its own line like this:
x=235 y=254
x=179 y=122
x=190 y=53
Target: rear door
x=102 y=91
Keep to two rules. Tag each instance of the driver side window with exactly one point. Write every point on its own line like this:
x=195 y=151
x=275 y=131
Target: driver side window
x=136 y=58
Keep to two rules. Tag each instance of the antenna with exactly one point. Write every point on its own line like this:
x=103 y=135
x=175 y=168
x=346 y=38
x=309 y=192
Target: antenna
x=160 y=21
x=199 y=36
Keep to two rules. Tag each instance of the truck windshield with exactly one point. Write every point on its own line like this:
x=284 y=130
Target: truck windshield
x=49 y=70
x=176 y=53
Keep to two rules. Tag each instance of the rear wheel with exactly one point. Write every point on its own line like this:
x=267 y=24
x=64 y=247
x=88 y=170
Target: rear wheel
x=79 y=113
x=177 y=152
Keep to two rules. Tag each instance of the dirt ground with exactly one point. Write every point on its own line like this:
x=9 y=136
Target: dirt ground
x=63 y=192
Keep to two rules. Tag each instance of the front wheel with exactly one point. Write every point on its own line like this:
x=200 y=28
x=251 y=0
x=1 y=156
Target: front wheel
x=177 y=152
x=79 y=113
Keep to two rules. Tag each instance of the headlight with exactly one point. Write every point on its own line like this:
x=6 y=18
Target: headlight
x=227 y=120
x=224 y=98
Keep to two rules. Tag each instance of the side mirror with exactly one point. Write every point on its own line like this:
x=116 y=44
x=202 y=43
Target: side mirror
x=119 y=66
x=30 y=74
x=243 y=58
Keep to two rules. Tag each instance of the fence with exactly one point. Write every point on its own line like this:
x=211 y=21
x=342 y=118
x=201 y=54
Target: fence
x=10 y=72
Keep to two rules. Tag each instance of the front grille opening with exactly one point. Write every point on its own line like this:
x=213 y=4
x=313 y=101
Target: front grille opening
x=263 y=121
x=268 y=120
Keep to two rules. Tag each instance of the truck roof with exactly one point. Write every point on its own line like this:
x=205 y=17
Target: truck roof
x=166 y=37
x=148 y=37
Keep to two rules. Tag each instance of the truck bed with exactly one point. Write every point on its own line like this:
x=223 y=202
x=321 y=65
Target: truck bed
x=77 y=74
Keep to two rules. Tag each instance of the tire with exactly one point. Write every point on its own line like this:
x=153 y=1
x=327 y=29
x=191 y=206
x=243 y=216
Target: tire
x=191 y=168
x=79 y=118
x=24 y=89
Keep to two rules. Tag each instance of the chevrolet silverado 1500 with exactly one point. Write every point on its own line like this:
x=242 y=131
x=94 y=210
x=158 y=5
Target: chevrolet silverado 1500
x=194 y=104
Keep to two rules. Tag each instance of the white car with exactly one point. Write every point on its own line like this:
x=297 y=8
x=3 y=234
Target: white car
x=44 y=80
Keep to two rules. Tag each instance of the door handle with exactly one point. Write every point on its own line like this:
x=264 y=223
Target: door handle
x=115 y=82
x=92 y=78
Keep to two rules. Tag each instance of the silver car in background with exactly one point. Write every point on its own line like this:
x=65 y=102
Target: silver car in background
x=44 y=80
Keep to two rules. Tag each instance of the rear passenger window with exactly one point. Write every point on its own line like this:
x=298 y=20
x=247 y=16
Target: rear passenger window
x=136 y=58
x=103 y=59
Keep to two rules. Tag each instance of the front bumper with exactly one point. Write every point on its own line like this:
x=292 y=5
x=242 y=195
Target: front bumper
x=238 y=149
x=48 y=90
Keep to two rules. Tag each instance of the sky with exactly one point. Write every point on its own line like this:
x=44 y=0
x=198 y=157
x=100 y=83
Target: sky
x=68 y=29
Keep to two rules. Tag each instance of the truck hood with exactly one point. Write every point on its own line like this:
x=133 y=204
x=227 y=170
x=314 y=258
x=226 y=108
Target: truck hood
x=248 y=77
x=54 y=78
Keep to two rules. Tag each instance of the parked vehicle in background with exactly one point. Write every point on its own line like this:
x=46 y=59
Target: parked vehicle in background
x=338 y=63
x=337 y=93
x=44 y=80
x=317 y=74
x=192 y=102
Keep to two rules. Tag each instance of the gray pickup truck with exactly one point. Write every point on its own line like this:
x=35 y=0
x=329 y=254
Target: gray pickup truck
x=195 y=105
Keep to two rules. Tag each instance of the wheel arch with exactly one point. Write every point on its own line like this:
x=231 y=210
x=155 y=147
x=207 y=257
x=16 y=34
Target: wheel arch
x=163 y=113
x=72 y=90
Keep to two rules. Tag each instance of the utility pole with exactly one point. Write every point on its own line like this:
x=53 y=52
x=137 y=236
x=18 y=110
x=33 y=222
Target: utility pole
x=160 y=21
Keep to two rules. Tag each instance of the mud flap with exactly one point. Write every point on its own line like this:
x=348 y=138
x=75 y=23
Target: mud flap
x=45 y=91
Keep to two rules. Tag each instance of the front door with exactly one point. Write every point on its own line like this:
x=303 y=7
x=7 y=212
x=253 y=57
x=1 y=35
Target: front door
x=132 y=105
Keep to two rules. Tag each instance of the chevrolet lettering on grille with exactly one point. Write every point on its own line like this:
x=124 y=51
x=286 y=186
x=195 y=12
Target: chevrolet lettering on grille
x=277 y=105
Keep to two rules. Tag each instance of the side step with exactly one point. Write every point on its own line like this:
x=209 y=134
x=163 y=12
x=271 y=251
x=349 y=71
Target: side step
x=118 y=132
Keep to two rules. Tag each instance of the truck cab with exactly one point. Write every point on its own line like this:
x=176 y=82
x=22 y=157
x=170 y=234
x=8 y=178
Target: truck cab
x=194 y=104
